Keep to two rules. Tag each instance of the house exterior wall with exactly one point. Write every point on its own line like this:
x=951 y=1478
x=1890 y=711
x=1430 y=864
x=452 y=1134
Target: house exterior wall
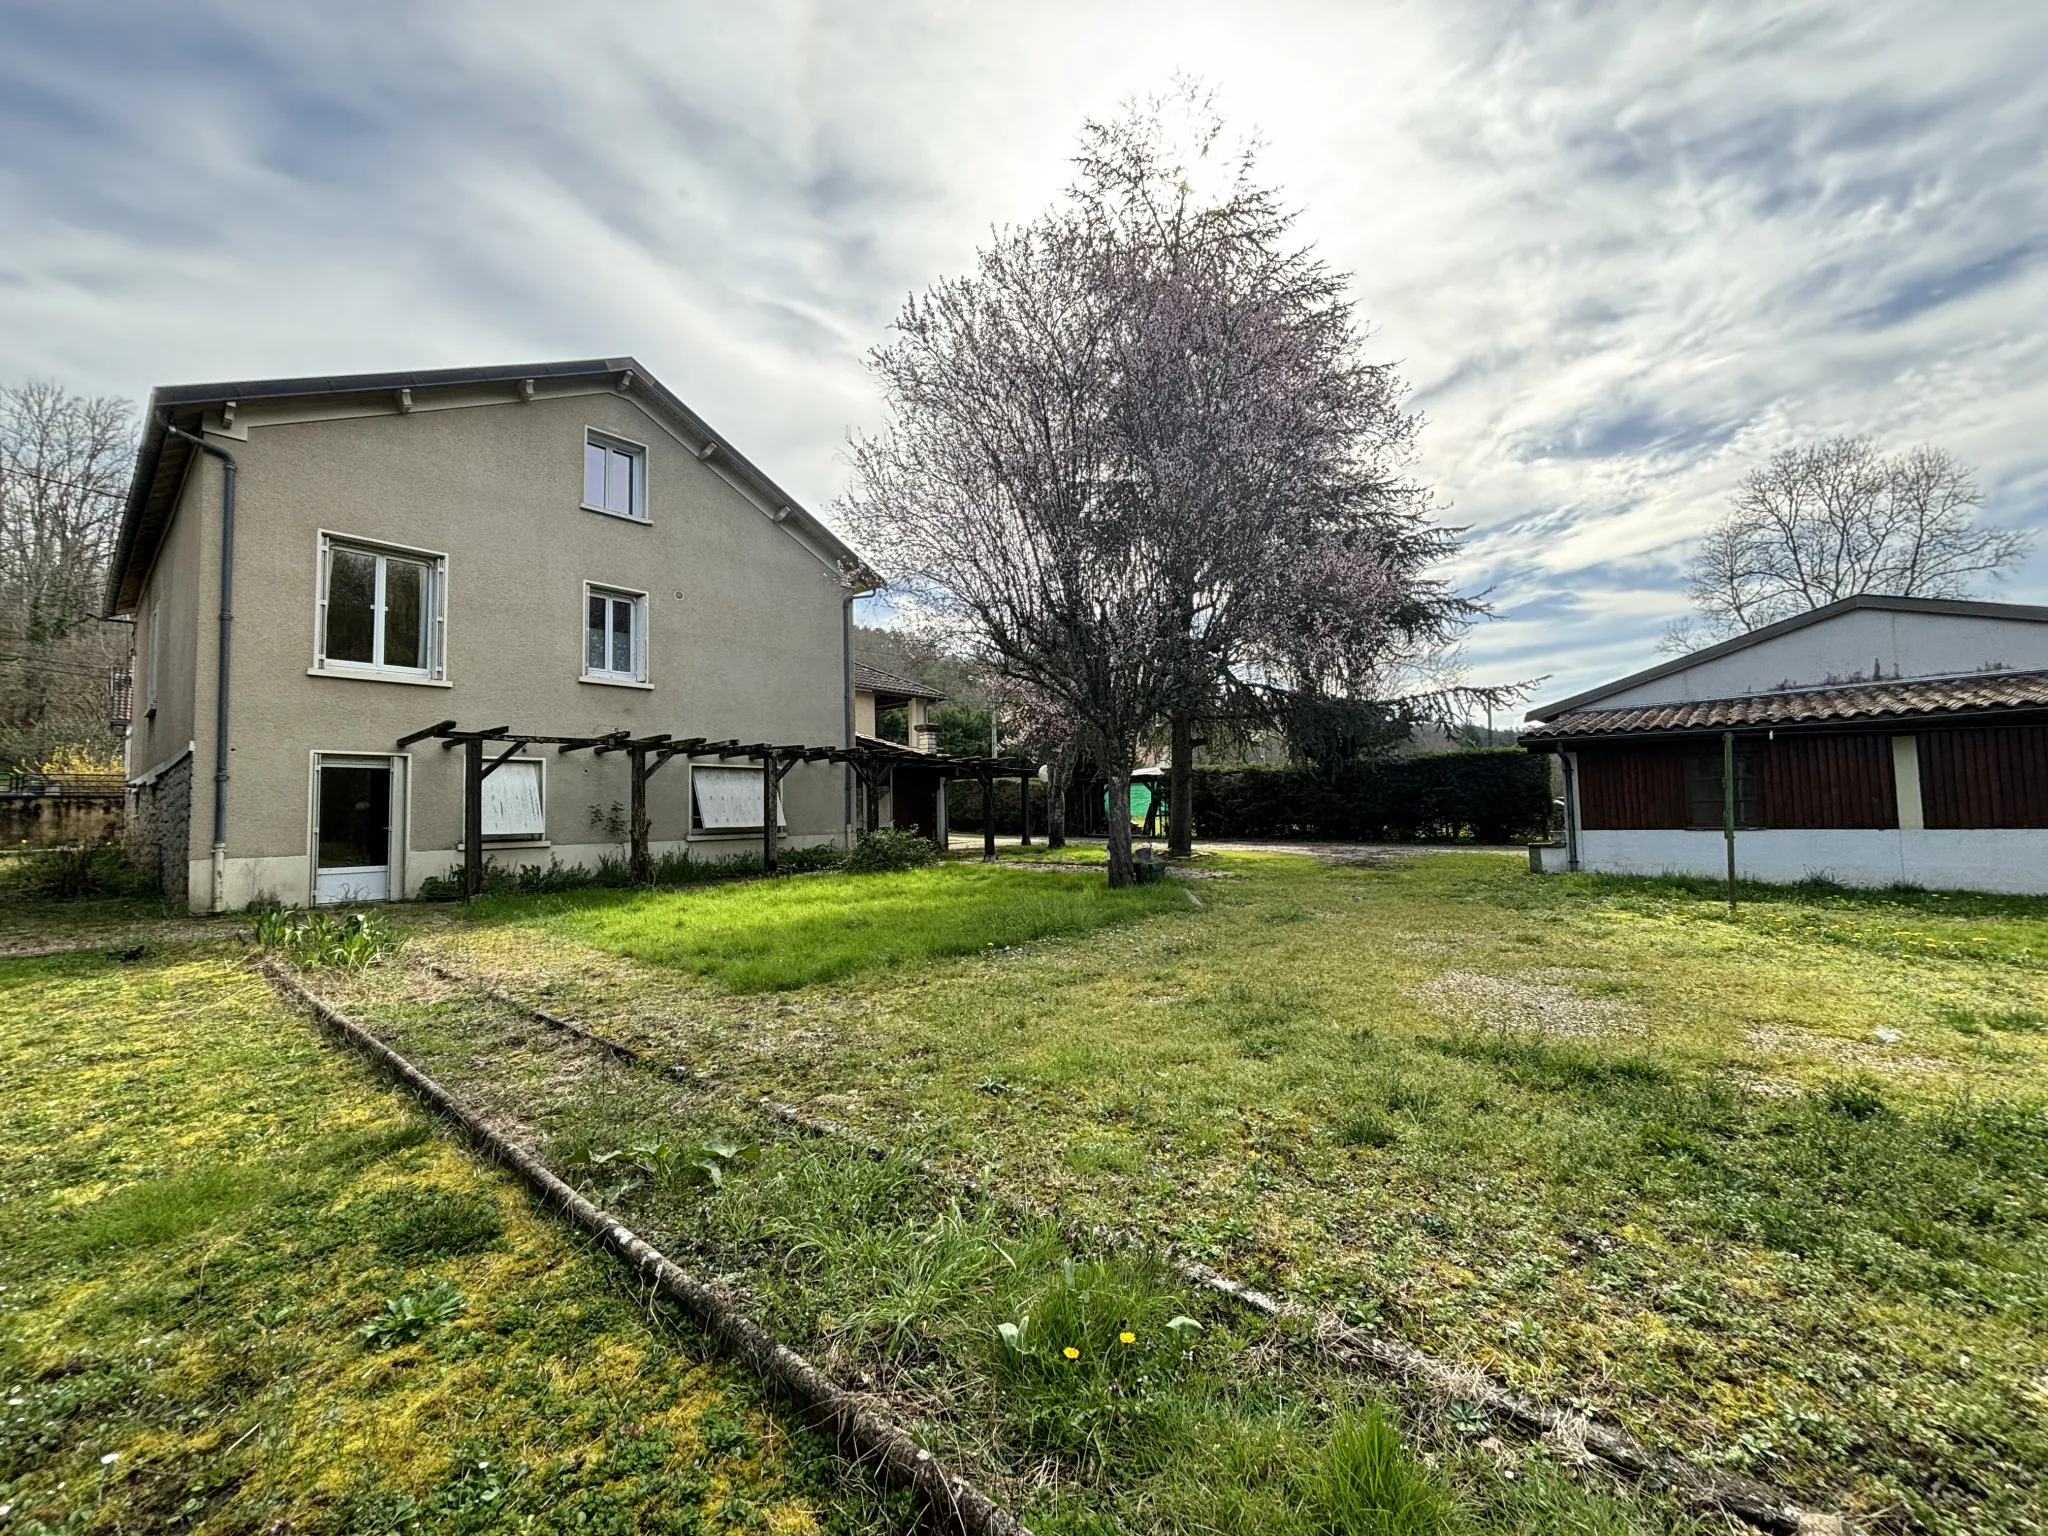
x=743 y=625
x=1846 y=647
x=863 y=712
x=182 y=585
x=2012 y=862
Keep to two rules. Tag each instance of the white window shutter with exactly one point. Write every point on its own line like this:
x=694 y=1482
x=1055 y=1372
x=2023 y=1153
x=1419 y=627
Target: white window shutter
x=512 y=801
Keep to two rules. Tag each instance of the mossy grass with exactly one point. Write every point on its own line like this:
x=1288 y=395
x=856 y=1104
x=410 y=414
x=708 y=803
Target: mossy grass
x=1094 y=1390
x=1770 y=1188
x=249 y=1288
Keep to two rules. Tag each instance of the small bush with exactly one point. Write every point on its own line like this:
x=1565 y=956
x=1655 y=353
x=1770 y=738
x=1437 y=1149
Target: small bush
x=811 y=860
x=886 y=850
x=67 y=874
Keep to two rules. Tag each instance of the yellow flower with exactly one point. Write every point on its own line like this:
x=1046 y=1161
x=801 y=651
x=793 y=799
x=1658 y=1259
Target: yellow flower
x=1071 y=1353
x=1127 y=1338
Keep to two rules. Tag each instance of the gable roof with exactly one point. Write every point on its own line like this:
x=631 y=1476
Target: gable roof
x=1959 y=607
x=1921 y=698
x=874 y=680
x=161 y=459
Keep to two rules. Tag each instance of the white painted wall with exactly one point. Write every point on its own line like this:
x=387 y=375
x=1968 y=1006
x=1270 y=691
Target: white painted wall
x=1846 y=647
x=2009 y=860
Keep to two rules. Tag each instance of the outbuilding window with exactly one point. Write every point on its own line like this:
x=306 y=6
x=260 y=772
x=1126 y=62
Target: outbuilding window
x=614 y=635
x=381 y=609
x=614 y=476
x=1708 y=800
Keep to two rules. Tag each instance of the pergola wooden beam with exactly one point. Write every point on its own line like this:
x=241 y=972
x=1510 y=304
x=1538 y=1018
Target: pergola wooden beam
x=646 y=754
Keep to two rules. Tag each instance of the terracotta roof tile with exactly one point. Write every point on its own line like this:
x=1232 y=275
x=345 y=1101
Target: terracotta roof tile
x=875 y=680
x=1793 y=706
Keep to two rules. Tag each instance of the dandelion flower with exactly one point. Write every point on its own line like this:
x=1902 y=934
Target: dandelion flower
x=1127 y=1338
x=1071 y=1353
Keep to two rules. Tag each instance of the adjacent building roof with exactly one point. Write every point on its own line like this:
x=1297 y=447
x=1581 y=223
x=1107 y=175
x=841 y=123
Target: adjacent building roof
x=161 y=459
x=869 y=679
x=1963 y=608
x=1915 y=699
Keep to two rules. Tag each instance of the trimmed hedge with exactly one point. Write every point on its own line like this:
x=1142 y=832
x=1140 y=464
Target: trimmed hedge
x=1491 y=795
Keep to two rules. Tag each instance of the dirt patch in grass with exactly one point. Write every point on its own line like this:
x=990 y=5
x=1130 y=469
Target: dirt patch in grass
x=1527 y=1002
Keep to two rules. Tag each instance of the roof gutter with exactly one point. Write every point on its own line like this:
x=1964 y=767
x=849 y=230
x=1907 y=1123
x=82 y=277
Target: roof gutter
x=220 y=687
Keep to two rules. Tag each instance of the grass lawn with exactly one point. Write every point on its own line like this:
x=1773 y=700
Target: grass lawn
x=764 y=936
x=1772 y=1191
x=205 y=1209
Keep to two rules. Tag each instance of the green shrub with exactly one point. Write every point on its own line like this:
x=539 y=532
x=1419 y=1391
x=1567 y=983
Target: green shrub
x=1491 y=796
x=885 y=850
x=66 y=874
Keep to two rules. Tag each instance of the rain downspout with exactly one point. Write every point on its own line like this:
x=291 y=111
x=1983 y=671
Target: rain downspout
x=1571 y=812
x=846 y=667
x=220 y=687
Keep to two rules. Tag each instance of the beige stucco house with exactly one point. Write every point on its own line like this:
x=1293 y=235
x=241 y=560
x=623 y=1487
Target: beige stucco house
x=560 y=548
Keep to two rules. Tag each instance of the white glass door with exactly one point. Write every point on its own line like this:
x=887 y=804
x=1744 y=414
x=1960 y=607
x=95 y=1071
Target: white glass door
x=353 y=818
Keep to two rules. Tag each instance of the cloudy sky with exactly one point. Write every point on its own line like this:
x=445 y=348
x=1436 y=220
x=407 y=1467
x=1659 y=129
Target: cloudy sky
x=1621 y=251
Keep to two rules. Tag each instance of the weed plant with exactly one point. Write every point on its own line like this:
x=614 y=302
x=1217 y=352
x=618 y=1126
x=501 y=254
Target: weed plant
x=349 y=940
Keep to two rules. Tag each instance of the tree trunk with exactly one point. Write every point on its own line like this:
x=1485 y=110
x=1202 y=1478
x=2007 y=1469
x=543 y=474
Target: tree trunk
x=1118 y=778
x=1180 y=790
x=1056 y=805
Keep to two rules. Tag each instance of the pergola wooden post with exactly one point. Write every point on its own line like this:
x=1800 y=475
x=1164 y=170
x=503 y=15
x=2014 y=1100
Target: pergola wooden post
x=472 y=817
x=771 y=782
x=1024 y=805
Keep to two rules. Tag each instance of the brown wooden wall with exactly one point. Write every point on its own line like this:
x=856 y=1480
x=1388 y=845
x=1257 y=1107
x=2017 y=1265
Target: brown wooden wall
x=1985 y=776
x=1829 y=781
x=1631 y=786
x=1807 y=781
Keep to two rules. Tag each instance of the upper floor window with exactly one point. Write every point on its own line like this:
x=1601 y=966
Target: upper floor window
x=614 y=476
x=380 y=609
x=615 y=635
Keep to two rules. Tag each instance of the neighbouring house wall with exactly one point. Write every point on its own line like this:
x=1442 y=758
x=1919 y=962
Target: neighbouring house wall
x=744 y=626
x=863 y=712
x=59 y=821
x=181 y=586
x=1846 y=648
x=2014 y=862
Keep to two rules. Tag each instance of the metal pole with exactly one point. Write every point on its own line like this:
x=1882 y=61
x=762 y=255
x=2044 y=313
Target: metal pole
x=1728 y=809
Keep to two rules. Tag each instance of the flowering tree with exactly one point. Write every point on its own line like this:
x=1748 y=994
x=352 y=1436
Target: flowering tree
x=1137 y=453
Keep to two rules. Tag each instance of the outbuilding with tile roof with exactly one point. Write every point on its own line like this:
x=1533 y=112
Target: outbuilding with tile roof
x=1875 y=741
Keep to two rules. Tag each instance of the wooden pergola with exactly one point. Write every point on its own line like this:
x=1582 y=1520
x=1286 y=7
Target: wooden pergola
x=646 y=755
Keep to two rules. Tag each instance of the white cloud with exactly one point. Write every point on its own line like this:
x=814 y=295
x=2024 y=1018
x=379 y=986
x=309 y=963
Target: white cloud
x=1623 y=251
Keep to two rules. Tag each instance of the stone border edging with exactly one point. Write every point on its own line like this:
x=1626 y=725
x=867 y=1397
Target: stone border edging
x=873 y=1440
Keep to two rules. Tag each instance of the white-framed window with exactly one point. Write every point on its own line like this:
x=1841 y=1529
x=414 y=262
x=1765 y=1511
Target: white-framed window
x=614 y=635
x=515 y=801
x=382 y=609
x=614 y=476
